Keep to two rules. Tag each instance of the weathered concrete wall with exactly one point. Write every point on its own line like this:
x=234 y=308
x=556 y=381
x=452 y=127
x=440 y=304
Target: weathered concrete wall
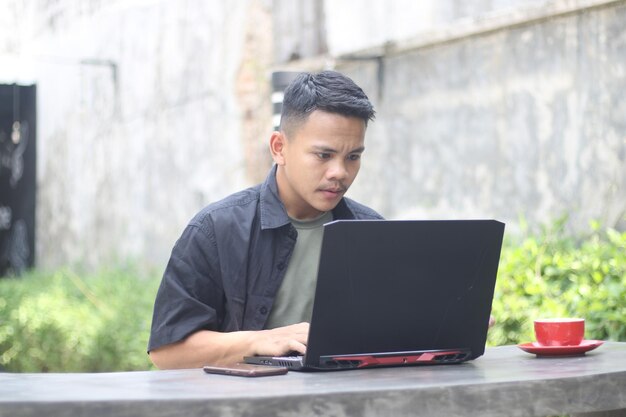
x=307 y=28
x=149 y=110
x=526 y=121
x=299 y=29
x=140 y=118
x=359 y=24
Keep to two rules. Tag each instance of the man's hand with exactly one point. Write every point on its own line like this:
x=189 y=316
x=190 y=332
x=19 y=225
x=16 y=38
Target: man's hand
x=281 y=340
x=206 y=347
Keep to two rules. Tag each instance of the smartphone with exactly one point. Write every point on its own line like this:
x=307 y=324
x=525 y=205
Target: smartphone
x=245 y=369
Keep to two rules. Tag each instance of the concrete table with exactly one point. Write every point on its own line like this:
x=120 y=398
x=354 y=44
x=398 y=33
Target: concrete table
x=504 y=382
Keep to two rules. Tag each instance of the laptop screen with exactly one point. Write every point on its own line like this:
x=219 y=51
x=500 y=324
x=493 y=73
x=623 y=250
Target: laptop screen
x=402 y=286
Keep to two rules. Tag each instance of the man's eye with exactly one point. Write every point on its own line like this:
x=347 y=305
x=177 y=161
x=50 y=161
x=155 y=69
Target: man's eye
x=323 y=155
x=354 y=157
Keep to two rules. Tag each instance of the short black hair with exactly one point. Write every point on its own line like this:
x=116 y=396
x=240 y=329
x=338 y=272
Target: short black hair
x=329 y=91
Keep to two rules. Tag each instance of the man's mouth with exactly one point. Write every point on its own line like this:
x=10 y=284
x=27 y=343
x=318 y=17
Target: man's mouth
x=333 y=191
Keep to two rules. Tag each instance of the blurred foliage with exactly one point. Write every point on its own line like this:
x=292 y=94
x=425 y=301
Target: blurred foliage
x=554 y=275
x=69 y=322
x=66 y=321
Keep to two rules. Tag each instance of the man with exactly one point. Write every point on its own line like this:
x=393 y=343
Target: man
x=241 y=278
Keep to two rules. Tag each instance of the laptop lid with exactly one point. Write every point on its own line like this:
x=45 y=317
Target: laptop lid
x=388 y=287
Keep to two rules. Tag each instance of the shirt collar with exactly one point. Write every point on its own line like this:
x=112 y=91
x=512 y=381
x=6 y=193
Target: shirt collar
x=273 y=212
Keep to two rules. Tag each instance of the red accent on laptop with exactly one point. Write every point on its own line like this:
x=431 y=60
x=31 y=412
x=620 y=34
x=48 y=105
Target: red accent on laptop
x=423 y=358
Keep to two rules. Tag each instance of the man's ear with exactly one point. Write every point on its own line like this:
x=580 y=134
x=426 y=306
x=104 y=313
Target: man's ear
x=278 y=142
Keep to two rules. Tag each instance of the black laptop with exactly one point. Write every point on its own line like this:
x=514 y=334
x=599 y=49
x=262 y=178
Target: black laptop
x=393 y=293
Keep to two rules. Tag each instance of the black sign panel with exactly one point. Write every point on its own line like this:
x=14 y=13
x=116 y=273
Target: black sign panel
x=17 y=178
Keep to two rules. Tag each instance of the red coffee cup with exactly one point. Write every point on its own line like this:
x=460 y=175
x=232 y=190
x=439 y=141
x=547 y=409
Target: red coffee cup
x=560 y=332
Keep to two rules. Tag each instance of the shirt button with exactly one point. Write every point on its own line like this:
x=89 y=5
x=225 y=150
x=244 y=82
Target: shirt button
x=263 y=310
x=280 y=266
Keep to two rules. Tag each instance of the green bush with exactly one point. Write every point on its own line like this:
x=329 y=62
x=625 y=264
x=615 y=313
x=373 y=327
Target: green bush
x=554 y=275
x=64 y=322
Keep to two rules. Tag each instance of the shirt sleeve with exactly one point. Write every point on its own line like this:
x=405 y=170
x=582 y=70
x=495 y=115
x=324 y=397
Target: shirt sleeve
x=189 y=298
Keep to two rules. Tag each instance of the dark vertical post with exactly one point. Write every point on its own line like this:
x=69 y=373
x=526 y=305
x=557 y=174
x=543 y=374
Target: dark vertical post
x=280 y=81
x=18 y=177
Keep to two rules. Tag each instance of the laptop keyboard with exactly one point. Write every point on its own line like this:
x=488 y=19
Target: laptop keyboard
x=292 y=354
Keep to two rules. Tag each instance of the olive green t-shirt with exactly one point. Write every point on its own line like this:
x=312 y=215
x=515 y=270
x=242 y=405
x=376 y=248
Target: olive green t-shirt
x=294 y=301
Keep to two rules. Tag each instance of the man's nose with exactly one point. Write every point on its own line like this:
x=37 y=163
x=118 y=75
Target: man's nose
x=337 y=171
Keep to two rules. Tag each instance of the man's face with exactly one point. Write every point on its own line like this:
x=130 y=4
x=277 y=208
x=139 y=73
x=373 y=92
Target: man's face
x=317 y=162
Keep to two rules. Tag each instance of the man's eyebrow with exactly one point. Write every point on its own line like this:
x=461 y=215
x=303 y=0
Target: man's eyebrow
x=360 y=149
x=317 y=148
x=326 y=149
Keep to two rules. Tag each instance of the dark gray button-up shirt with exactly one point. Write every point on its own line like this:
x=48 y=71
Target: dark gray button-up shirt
x=227 y=266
